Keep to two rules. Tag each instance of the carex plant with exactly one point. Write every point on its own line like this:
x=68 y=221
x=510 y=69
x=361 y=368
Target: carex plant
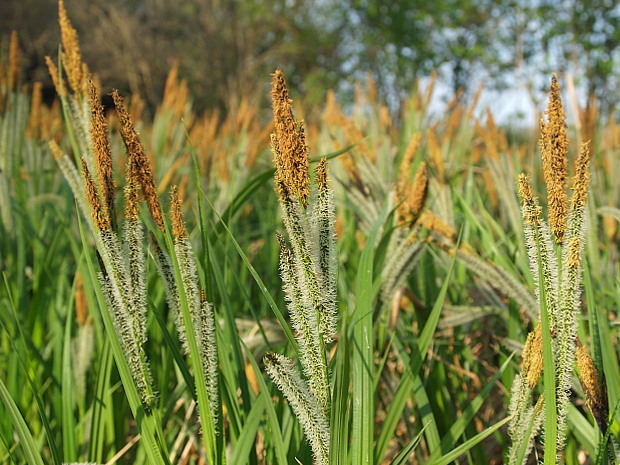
x=405 y=244
x=121 y=252
x=555 y=249
x=308 y=269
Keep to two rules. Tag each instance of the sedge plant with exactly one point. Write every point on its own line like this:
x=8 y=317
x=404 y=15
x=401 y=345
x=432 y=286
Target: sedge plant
x=122 y=257
x=552 y=350
x=308 y=270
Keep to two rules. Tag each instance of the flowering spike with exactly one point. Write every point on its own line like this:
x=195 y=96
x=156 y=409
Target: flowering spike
x=135 y=151
x=594 y=388
x=76 y=70
x=554 y=149
x=304 y=404
x=14 y=62
x=102 y=151
x=289 y=146
x=178 y=228
x=102 y=222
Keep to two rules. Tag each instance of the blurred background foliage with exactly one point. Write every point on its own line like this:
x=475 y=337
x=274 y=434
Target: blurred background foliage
x=221 y=46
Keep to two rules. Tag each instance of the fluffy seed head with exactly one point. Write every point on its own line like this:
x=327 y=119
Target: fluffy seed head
x=574 y=253
x=435 y=224
x=411 y=197
x=81 y=306
x=55 y=149
x=410 y=151
x=131 y=193
x=355 y=136
x=435 y=155
x=34 y=121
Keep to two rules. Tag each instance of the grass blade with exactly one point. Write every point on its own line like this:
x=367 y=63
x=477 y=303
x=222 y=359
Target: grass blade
x=148 y=424
x=403 y=456
x=418 y=356
x=363 y=354
x=454 y=454
x=29 y=447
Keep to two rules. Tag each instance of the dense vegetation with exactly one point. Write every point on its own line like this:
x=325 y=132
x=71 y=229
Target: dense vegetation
x=399 y=298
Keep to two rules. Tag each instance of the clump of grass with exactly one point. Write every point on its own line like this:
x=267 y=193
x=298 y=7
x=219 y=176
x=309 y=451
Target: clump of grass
x=406 y=242
x=308 y=270
x=121 y=254
x=408 y=392
x=557 y=270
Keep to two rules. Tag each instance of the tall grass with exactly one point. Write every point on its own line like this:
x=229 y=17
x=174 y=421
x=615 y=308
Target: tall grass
x=387 y=323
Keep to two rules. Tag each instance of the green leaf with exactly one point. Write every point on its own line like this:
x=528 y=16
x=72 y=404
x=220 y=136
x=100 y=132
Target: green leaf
x=463 y=448
x=363 y=354
x=148 y=424
x=458 y=427
x=411 y=373
x=29 y=447
x=68 y=397
x=403 y=457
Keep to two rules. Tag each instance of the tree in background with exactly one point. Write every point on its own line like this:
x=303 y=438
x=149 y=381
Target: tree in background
x=584 y=39
x=405 y=40
x=485 y=41
x=224 y=46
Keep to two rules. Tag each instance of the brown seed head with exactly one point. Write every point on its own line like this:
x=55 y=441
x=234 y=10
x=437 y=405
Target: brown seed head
x=411 y=196
x=81 y=306
x=75 y=69
x=140 y=162
x=102 y=222
x=14 y=62
x=131 y=192
x=435 y=156
x=489 y=184
x=530 y=207
x=320 y=173
x=532 y=360
x=102 y=151
x=56 y=79
x=290 y=148
x=419 y=189
x=55 y=149
x=34 y=120
x=435 y=224
x=410 y=152
x=131 y=202
x=355 y=136
x=285 y=253
x=176 y=216
x=593 y=387
x=581 y=180
x=280 y=185
x=554 y=149
x=574 y=253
